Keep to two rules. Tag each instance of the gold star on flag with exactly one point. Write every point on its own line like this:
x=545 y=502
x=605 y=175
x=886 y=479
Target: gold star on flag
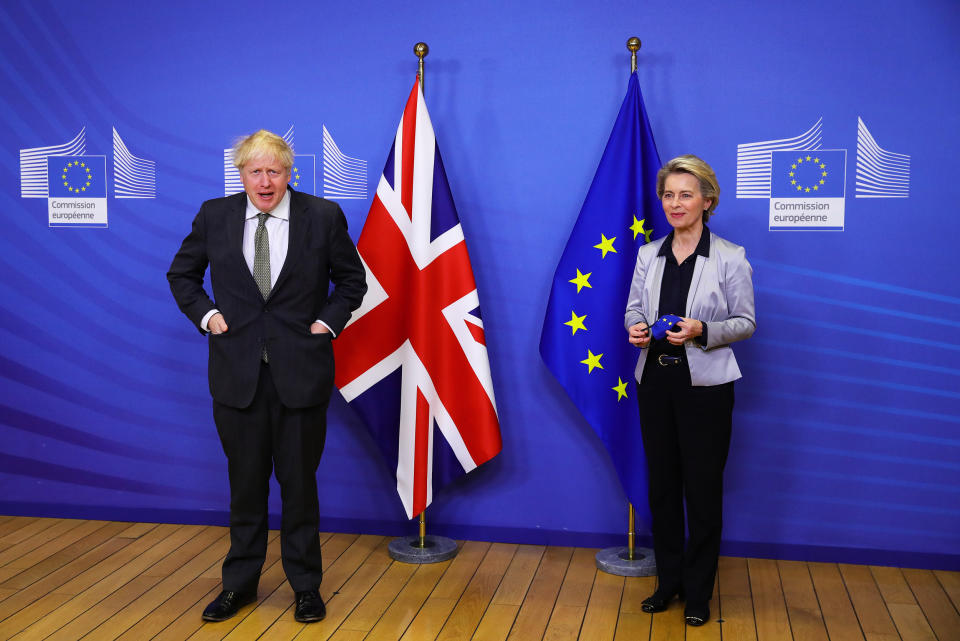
x=637 y=228
x=824 y=174
x=576 y=322
x=814 y=160
x=605 y=246
x=822 y=166
x=808 y=157
x=806 y=189
x=82 y=165
x=816 y=187
x=794 y=166
x=581 y=281
x=592 y=361
x=620 y=389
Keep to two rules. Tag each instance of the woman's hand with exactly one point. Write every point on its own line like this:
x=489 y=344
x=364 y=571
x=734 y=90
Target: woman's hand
x=689 y=328
x=639 y=335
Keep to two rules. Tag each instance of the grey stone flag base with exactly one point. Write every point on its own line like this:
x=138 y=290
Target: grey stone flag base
x=407 y=549
x=617 y=561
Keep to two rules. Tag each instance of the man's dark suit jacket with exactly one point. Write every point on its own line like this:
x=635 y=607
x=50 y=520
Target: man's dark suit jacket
x=319 y=251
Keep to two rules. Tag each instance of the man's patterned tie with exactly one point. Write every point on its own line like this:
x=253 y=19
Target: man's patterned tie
x=261 y=262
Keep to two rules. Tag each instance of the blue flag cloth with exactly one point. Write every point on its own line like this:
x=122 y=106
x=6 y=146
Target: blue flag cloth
x=583 y=342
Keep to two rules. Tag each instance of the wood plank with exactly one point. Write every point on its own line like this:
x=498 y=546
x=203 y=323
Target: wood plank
x=189 y=621
x=516 y=582
x=136 y=530
x=33 y=524
x=341 y=602
x=124 y=596
x=911 y=624
x=633 y=622
x=951 y=585
x=902 y=605
x=404 y=608
x=736 y=602
x=505 y=604
x=188 y=603
x=34 y=529
x=571 y=604
x=106 y=559
x=770 y=610
x=806 y=620
x=534 y=614
x=463 y=621
x=275 y=613
x=15 y=523
x=441 y=602
x=868 y=603
x=892 y=585
x=47 y=544
x=496 y=622
x=936 y=605
x=272 y=579
x=64 y=556
x=603 y=608
x=366 y=614
x=835 y=604
x=207 y=547
x=41 y=587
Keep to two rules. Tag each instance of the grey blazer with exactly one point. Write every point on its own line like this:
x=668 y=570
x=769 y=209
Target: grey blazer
x=720 y=296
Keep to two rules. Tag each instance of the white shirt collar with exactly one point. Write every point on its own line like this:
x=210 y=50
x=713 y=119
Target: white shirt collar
x=281 y=211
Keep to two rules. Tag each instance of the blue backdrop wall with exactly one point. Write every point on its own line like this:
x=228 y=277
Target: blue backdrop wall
x=846 y=426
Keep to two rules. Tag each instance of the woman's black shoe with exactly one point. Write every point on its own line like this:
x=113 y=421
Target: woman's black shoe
x=696 y=614
x=659 y=600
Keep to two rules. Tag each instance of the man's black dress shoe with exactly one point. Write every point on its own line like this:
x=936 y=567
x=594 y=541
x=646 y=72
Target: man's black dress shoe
x=226 y=605
x=696 y=614
x=310 y=608
x=659 y=600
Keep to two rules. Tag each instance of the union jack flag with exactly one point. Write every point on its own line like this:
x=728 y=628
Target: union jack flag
x=413 y=359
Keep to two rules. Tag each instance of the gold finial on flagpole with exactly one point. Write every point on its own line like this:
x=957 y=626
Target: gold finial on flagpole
x=420 y=49
x=633 y=44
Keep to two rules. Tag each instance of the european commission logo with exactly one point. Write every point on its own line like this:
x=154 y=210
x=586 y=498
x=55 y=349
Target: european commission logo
x=77 y=191
x=75 y=183
x=806 y=184
x=807 y=189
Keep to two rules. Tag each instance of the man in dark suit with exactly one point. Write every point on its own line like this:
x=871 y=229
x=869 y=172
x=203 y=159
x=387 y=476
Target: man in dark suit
x=272 y=253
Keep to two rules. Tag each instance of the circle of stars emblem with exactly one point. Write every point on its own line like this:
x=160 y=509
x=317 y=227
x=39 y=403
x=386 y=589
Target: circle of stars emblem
x=809 y=167
x=76 y=176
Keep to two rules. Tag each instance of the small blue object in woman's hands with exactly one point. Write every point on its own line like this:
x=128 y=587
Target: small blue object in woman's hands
x=664 y=324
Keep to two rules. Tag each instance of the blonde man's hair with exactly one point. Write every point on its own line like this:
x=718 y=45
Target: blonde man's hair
x=262 y=143
x=690 y=164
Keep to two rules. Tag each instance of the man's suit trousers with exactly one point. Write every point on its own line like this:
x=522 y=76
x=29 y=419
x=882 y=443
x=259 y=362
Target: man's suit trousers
x=265 y=437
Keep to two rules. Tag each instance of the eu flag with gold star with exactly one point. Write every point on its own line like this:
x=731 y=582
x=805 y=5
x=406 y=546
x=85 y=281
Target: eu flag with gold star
x=583 y=342
x=76 y=176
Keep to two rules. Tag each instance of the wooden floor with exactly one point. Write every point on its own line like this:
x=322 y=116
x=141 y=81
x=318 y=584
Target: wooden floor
x=69 y=579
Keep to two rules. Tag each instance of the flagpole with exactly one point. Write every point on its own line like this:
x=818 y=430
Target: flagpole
x=629 y=561
x=421 y=548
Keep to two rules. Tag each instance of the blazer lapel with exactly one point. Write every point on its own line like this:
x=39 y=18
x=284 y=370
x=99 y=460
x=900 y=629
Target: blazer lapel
x=296 y=238
x=695 y=281
x=236 y=220
x=654 y=279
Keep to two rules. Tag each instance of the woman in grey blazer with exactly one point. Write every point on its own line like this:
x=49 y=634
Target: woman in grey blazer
x=685 y=380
